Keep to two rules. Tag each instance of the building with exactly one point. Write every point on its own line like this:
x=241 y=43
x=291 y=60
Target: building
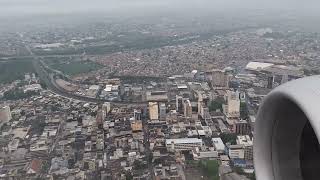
x=13 y=145
x=236 y=151
x=111 y=90
x=136 y=126
x=183 y=144
x=220 y=79
x=34 y=166
x=187 y=109
x=200 y=103
x=270 y=82
x=32 y=88
x=157 y=96
x=204 y=113
x=242 y=127
x=5 y=114
x=106 y=108
x=162 y=111
x=257 y=66
x=232 y=109
x=211 y=154
x=248 y=146
x=223 y=128
x=179 y=104
x=284 y=78
x=137 y=114
x=153 y=111
x=218 y=145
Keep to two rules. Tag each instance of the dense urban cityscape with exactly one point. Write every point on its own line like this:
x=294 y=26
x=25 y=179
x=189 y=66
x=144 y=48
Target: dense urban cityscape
x=134 y=98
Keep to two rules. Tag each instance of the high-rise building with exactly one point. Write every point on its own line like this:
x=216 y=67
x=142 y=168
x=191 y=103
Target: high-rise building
x=106 y=108
x=162 y=111
x=270 y=82
x=179 y=104
x=247 y=144
x=232 y=109
x=242 y=127
x=200 y=103
x=248 y=152
x=187 y=108
x=284 y=79
x=220 y=79
x=137 y=114
x=5 y=114
x=153 y=111
x=205 y=114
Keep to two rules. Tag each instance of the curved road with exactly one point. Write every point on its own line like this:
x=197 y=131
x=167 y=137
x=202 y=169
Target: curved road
x=49 y=80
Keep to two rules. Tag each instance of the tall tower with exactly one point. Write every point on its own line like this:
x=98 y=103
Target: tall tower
x=179 y=104
x=270 y=82
x=233 y=107
x=106 y=108
x=137 y=114
x=187 y=108
x=153 y=111
x=284 y=78
x=162 y=111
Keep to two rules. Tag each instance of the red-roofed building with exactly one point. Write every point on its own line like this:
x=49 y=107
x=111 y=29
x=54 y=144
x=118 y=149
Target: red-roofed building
x=35 y=166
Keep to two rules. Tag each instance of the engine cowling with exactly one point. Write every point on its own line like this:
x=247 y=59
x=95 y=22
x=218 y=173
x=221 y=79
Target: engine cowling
x=287 y=132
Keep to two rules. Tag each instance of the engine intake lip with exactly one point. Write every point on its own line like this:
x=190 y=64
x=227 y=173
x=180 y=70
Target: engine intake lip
x=279 y=127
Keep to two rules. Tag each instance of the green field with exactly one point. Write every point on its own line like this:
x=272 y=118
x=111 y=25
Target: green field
x=208 y=168
x=13 y=69
x=74 y=67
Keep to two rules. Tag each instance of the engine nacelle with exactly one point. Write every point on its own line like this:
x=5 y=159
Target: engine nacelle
x=287 y=132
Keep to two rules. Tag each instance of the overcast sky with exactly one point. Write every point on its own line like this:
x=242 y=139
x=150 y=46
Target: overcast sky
x=20 y=7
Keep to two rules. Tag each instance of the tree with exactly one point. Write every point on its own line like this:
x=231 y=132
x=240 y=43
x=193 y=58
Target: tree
x=17 y=93
x=216 y=104
x=128 y=176
x=137 y=165
x=229 y=138
x=43 y=84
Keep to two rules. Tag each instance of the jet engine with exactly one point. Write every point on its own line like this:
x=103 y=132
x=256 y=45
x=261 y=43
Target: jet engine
x=287 y=132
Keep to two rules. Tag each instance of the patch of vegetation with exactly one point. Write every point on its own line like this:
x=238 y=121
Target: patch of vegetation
x=60 y=51
x=139 y=165
x=14 y=69
x=229 y=138
x=37 y=126
x=216 y=104
x=210 y=168
x=17 y=93
x=75 y=67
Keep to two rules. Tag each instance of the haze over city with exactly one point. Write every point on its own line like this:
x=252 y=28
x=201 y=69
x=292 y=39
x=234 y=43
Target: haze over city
x=157 y=89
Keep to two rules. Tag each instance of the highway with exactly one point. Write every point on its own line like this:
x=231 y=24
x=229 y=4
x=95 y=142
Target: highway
x=46 y=75
x=48 y=78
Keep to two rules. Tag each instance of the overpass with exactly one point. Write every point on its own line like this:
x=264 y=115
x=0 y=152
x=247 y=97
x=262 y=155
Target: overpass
x=49 y=79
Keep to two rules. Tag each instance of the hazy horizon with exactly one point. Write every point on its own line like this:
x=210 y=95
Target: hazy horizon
x=40 y=7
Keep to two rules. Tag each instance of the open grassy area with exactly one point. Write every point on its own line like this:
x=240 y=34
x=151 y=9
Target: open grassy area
x=73 y=67
x=13 y=69
x=203 y=169
x=210 y=168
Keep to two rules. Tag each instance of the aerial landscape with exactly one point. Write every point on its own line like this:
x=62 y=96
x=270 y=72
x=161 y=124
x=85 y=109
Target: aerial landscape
x=121 y=90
